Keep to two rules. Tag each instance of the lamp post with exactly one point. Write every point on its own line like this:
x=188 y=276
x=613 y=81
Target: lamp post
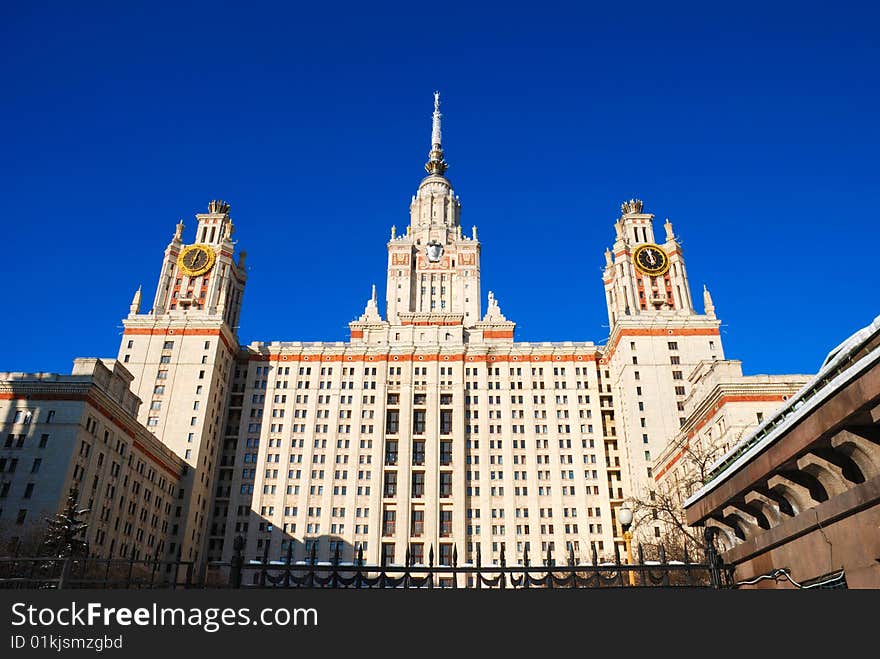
x=625 y=515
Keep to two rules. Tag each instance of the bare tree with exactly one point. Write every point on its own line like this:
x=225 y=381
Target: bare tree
x=664 y=505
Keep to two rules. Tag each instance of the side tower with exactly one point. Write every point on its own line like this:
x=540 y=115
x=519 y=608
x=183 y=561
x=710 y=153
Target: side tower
x=181 y=354
x=656 y=340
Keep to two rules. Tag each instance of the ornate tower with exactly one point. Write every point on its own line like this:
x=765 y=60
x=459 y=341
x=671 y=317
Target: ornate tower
x=181 y=354
x=642 y=277
x=657 y=339
x=203 y=277
x=434 y=271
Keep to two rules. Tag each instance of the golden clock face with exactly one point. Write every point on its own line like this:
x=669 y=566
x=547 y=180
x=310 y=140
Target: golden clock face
x=196 y=260
x=651 y=260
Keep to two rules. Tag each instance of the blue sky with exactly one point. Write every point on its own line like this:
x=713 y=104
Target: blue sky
x=753 y=127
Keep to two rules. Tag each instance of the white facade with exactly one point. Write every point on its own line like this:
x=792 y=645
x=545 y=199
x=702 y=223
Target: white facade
x=80 y=431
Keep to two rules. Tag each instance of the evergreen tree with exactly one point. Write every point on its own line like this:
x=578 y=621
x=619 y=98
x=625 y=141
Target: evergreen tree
x=65 y=531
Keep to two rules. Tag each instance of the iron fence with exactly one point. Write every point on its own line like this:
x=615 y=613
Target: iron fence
x=53 y=572
x=311 y=573
x=85 y=572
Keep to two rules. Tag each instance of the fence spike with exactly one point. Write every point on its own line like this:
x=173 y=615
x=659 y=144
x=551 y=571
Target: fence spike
x=549 y=555
x=503 y=563
x=641 y=555
x=571 y=554
x=431 y=556
x=479 y=554
x=595 y=555
x=407 y=561
x=360 y=555
x=526 y=556
x=336 y=555
x=617 y=553
x=264 y=567
x=454 y=555
x=314 y=554
x=662 y=554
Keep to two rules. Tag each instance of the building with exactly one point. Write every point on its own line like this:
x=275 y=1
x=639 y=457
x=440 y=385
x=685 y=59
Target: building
x=431 y=428
x=80 y=431
x=721 y=407
x=796 y=503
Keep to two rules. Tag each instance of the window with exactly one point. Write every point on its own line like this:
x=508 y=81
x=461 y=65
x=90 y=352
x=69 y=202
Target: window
x=418 y=523
x=672 y=345
x=392 y=422
x=445 y=523
x=391 y=452
x=169 y=345
x=418 y=484
x=418 y=455
x=418 y=422
x=445 y=484
x=389 y=518
x=28 y=491
x=445 y=453
x=445 y=422
x=22 y=514
x=390 y=483
x=36 y=466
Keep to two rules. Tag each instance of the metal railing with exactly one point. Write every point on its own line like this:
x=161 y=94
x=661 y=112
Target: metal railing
x=311 y=573
x=82 y=572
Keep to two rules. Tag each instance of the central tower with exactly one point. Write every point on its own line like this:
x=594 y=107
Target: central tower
x=434 y=271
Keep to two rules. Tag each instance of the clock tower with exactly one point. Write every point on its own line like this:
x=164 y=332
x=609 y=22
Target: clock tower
x=641 y=276
x=657 y=339
x=181 y=354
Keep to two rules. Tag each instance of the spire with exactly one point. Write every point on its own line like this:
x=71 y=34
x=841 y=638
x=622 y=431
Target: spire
x=135 y=306
x=436 y=164
x=708 y=307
